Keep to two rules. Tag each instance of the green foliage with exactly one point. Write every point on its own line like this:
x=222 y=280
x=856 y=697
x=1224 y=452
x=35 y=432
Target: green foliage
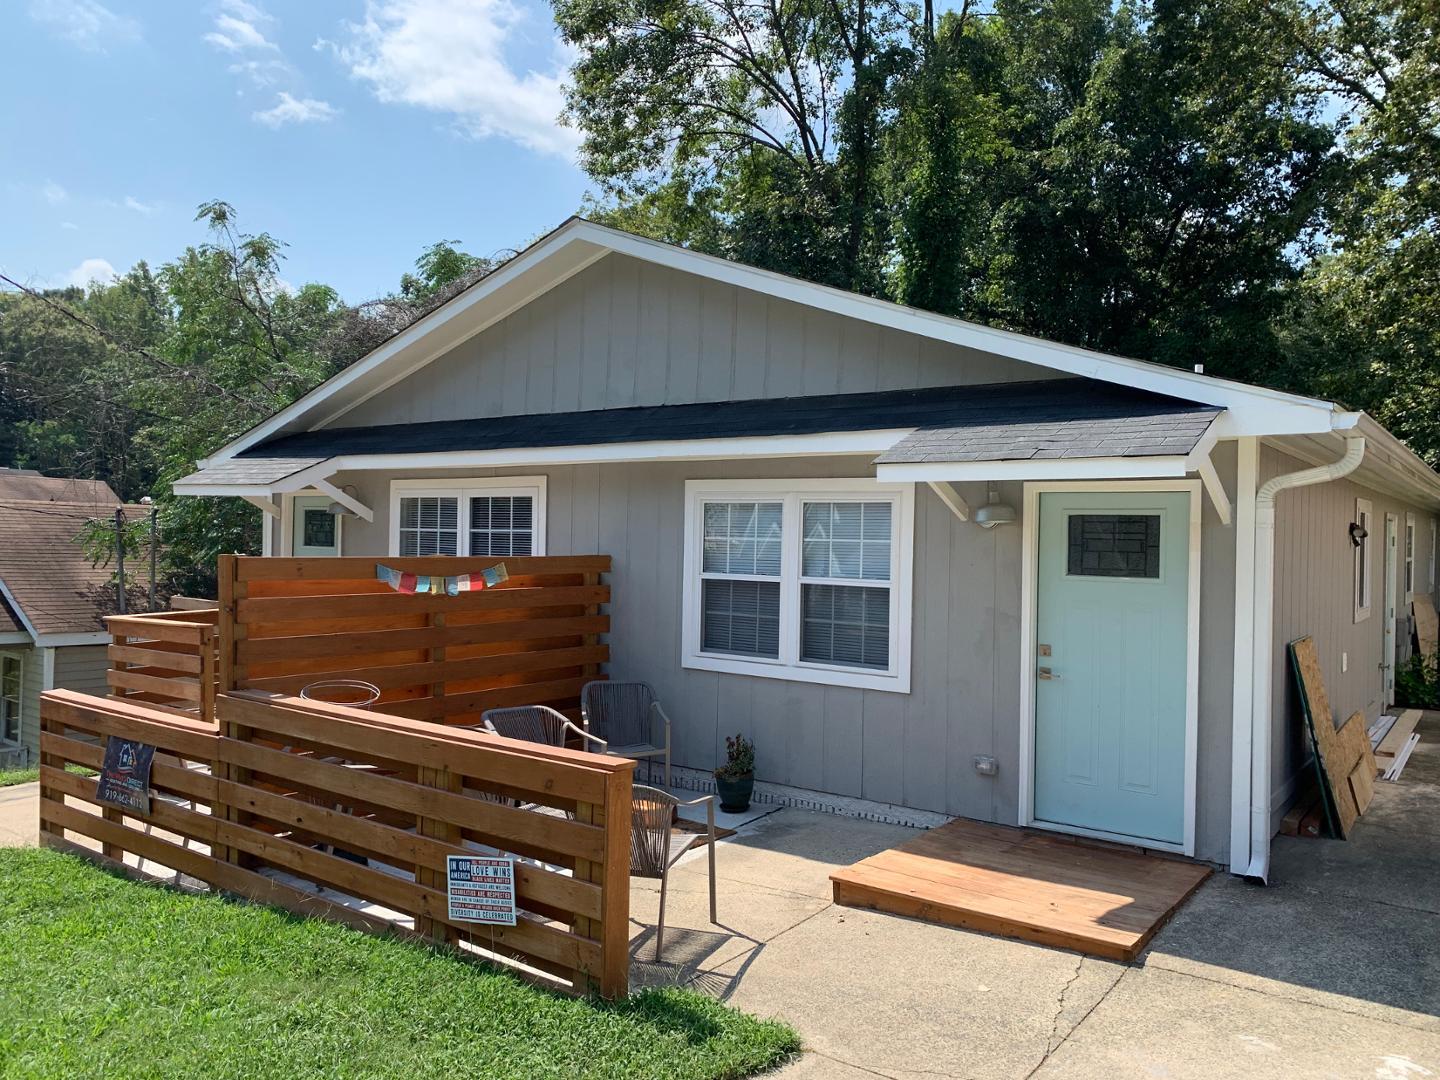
x=109 y=977
x=439 y=265
x=739 y=757
x=1417 y=682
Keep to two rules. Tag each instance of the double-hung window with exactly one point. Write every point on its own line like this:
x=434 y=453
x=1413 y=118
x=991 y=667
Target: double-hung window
x=10 y=697
x=807 y=580
x=502 y=516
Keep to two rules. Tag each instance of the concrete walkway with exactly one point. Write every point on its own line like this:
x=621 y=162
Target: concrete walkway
x=1332 y=971
x=19 y=812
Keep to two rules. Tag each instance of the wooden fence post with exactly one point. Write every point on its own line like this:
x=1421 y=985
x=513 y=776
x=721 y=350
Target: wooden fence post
x=227 y=626
x=46 y=791
x=425 y=925
x=614 y=879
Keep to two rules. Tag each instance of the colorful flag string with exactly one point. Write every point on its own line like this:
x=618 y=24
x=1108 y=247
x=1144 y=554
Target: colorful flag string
x=406 y=582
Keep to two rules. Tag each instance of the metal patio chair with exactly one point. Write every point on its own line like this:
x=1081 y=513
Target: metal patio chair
x=629 y=718
x=537 y=724
x=655 y=846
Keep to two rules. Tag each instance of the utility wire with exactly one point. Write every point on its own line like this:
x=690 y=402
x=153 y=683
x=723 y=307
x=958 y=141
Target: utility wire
x=135 y=350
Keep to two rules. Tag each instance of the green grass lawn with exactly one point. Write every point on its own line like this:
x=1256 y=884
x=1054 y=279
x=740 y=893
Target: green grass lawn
x=11 y=777
x=103 y=976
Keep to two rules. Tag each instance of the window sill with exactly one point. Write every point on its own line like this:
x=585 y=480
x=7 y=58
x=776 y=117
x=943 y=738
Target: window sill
x=1361 y=614
x=859 y=680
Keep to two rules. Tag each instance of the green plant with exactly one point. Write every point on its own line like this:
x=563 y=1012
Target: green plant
x=739 y=758
x=1417 y=682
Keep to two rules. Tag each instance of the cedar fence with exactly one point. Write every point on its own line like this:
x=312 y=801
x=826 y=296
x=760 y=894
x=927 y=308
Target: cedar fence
x=287 y=798
x=167 y=659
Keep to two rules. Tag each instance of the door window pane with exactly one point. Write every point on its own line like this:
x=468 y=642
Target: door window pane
x=740 y=617
x=318 y=528
x=1114 y=545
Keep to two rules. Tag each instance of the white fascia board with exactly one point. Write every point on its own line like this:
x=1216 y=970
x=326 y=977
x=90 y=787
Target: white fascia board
x=257 y=491
x=1111 y=468
x=19 y=611
x=16 y=637
x=823 y=444
x=534 y=271
x=58 y=641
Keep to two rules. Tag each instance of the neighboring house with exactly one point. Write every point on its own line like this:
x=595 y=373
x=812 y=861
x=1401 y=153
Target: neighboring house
x=52 y=601
x=919 y=561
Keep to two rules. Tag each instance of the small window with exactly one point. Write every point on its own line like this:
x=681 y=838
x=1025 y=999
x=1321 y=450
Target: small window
x=1409 y=556
x=318 y=527
x=1114 y=545
x=1364 y=545
x=1434 y=537
x=501 y=517
x=803 y=580
x=10 y=697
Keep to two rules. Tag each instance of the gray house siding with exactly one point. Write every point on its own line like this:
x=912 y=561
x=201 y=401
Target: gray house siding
x=1314 y=594
x=913 y=749
x=82 y=667
x=32 y=677
x=623 y=332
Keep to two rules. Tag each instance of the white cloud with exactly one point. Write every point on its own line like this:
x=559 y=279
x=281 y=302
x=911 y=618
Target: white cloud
x=235 y=34
x=132 y=203
x=456 y=57
x=54 y=194
x=98 y=271
x=69 y=225
x=86 y=24
x=292 y=110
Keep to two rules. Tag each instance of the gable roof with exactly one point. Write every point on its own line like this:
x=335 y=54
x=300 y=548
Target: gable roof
x=44 y=575
x=1252 y=410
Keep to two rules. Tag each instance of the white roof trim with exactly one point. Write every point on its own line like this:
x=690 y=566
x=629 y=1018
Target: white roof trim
x=1096 y=468
x=58 y=641
x=578 y=243
x=18 y=637
x=19 y=611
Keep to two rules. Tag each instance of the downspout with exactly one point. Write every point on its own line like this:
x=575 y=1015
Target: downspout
x=1260 y=702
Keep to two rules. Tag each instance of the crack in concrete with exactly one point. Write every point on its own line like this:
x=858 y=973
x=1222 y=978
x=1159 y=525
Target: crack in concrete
x=1049 y=1049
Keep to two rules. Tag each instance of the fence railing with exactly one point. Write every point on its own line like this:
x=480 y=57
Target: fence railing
x=165 y=658
x=533 y=640
x=350 y=815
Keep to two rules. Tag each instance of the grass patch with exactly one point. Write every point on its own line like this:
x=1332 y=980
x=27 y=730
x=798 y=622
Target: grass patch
x=108 y=977
x=11 y=777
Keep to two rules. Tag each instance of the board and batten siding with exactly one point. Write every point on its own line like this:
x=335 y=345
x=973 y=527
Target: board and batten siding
x=624 y=332
x=1315 y=595
x=915 y=750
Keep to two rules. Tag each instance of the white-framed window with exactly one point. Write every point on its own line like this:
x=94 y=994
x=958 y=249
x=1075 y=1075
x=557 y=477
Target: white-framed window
x=806 y=580
x=497 y=515
x=1409 y=557
x=1365 y=539
x=11 y=696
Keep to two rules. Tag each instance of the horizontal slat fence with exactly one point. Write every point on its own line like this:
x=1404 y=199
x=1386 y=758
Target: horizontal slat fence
x=166 y=658
x=533 y=640
x=287 y=797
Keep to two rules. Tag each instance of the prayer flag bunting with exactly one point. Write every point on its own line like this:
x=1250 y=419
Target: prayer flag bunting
x=406 y=582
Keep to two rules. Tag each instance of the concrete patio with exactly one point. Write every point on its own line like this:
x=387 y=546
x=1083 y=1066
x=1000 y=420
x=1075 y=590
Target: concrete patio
x=1328 y=972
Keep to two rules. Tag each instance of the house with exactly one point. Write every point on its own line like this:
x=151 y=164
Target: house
x=52 y=600
x=921 y=562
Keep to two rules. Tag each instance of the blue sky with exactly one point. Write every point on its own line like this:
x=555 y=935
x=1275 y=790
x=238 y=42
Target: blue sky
x=357 y=132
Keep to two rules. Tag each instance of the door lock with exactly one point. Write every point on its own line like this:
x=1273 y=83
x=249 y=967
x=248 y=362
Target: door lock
x=1045 y=673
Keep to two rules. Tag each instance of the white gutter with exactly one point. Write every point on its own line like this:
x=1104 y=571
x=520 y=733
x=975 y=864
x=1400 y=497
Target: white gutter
x=1257 y=865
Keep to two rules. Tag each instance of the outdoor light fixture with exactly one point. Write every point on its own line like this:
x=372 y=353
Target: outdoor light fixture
x=994 y=512
x=1358 y=533
x=340 y=509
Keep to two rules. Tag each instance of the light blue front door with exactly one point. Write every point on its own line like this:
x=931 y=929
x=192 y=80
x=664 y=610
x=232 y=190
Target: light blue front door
x=1112 y=598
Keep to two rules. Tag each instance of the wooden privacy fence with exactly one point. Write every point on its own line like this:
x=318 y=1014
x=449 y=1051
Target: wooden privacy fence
x=533 y=640
x=166 y=659
x=288 y=797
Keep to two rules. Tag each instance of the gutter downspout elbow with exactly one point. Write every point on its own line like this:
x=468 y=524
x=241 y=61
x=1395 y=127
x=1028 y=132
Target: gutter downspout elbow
x=1260 y=705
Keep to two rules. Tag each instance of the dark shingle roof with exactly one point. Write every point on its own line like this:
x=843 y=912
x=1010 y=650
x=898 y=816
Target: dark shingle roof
x=1009 y=420
x=32 y=486
x=46 y=571
x=264 y=469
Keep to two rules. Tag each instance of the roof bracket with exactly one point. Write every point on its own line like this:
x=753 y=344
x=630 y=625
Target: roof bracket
x=1215 y=489
x=951 y=498
x=350 y=503
x=269 y=506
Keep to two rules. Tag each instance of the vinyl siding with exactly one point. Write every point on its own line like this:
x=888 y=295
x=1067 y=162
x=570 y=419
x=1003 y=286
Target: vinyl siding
x=1314 y=595
x=32 y=676
x=623 y=332
x=82 y=667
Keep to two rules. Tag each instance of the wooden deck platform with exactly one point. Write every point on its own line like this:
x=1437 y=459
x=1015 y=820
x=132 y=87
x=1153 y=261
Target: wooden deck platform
x=1094 y=898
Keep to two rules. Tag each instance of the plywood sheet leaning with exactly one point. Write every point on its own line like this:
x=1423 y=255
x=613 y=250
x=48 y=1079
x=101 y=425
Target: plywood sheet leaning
x=1427 y=625
x=1338 y=752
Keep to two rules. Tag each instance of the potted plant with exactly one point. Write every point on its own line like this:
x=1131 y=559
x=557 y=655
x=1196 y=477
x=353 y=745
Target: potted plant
x=735 y=780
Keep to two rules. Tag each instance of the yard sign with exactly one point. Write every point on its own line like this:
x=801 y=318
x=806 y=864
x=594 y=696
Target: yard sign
x=481 y=888
x=125 y=776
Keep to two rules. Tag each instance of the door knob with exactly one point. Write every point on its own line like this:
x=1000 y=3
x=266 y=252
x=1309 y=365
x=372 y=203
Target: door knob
x=1045 y=673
